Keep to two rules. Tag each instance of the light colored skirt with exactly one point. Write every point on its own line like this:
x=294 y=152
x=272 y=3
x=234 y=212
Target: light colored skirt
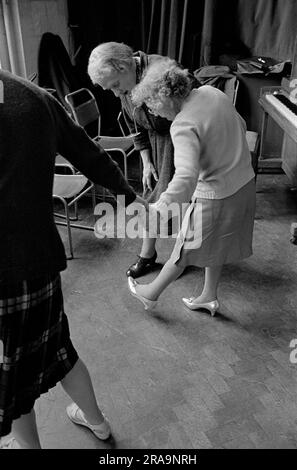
x=217 y=231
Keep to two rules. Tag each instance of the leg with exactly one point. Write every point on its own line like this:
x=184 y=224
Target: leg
x=78 y=385
x=169 y=273
x=211 y=282
x=148 y=247
x=24 y=430
x=147 y=259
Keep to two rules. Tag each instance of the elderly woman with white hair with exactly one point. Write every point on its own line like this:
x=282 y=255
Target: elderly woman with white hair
x=212 y=169
x=115 y=67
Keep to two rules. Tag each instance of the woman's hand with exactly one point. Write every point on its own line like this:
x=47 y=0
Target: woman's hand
x=149 y=172
x=142 y=201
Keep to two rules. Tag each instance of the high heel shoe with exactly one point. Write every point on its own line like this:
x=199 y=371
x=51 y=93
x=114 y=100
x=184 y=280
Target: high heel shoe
x=212 y=307
x=148 y=304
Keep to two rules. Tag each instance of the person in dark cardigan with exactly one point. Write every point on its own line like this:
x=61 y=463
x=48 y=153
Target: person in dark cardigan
x=115 y=67
x=36 y=349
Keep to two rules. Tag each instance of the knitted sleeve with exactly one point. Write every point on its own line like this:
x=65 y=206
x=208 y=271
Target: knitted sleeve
x=186 y=161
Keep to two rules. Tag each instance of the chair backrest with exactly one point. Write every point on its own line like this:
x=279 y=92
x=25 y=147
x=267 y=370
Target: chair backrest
x=84 y=108
x=123 y=124
x=68 y=186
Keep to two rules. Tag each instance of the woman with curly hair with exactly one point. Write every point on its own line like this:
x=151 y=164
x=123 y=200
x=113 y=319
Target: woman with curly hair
x=115 y=67
x=212 y=169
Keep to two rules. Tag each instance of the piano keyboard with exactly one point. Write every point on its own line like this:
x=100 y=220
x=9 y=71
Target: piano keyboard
x=285 y=107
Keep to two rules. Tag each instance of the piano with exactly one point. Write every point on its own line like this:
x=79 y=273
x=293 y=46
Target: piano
x=279 y=103
x=281 y=106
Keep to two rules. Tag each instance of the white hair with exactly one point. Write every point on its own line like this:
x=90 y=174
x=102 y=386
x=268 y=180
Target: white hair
x=107 y=58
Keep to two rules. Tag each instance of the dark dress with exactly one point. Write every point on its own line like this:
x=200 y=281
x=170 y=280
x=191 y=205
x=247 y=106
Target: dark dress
x=36 y=350
x=153 y=133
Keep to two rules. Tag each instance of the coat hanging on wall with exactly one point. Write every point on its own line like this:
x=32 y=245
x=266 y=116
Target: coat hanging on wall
x=55 y=70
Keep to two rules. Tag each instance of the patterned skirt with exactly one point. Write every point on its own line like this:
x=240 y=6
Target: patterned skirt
x=35 y=347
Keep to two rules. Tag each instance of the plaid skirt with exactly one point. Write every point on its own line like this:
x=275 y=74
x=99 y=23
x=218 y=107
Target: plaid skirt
x=35 y=347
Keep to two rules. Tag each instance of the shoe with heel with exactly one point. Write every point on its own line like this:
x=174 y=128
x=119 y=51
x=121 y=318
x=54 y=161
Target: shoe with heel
x=212 y=306
x=148 y=304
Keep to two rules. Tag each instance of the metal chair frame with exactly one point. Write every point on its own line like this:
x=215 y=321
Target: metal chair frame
x=73 y=202
x=88 y=112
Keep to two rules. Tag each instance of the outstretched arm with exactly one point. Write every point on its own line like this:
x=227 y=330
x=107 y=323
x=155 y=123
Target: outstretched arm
x=186 y=161
x=88 y=157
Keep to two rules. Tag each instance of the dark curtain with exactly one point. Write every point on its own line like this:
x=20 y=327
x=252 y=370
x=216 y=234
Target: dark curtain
x=194 y=32
x=268 y=27
x=172 y=28
x=198 y=32
x=94 y=21
x=177 y=28
x=185 y=30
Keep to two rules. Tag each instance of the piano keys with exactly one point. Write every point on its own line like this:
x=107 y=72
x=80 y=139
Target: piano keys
x=287 y=102
x=276 y=103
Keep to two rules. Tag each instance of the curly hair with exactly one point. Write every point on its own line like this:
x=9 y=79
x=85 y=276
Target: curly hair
x=163 y=78
x=108 y=57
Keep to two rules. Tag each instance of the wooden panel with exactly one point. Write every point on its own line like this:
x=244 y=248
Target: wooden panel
x=289 y=159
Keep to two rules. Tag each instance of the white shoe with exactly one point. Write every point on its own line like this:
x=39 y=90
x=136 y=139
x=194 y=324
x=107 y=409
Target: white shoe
x=212 y=307
x=148 y=304
x=75 y=414
x=10 y=443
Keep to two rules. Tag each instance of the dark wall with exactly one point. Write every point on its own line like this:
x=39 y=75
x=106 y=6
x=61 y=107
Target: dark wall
x=94 y=21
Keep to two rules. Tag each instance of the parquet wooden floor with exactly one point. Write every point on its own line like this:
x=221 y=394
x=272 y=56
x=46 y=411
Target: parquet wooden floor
x=180 y=379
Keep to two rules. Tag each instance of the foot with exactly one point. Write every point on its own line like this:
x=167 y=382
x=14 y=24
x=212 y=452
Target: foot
x=202 y=303
x=10 y=443
x=136 y=290
x=101 y=430
x=142 y=266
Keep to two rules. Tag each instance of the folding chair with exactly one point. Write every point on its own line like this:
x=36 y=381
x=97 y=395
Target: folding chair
x=86 y=112
x=69 y=188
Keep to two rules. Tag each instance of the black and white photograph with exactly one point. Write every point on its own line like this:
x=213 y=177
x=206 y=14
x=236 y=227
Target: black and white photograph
x=148 y=228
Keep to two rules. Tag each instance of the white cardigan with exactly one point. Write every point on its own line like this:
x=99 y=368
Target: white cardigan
x=211 y=155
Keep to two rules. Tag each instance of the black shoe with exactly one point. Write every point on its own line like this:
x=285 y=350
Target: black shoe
x=142 y=266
